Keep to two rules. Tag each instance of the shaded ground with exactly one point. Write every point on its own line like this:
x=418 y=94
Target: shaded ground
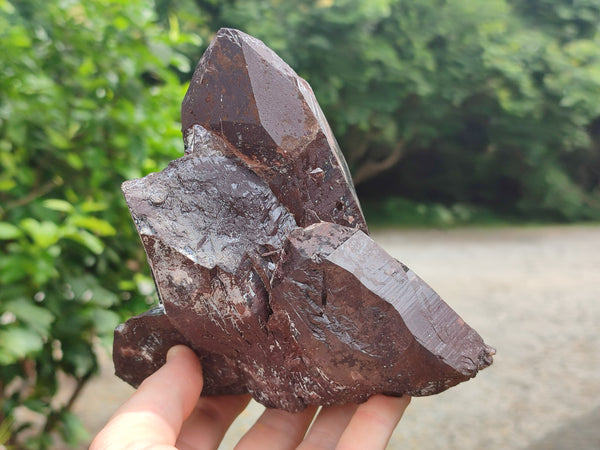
x=533 y=293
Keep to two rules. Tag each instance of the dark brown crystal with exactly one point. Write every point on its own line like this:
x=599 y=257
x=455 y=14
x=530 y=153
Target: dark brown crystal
x=242 y=91
x=259 y=251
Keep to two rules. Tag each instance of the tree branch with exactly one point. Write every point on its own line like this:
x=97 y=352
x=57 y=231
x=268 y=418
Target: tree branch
x=371 y=168
x=34 y=194
x=54 y=416
x=359 y=145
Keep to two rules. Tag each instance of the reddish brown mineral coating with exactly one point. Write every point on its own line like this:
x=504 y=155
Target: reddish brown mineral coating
x=242 y=91
x=258 y=249
x=141 y=346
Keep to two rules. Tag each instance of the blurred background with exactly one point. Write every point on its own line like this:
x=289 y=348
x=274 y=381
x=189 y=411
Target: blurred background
x=470 y=121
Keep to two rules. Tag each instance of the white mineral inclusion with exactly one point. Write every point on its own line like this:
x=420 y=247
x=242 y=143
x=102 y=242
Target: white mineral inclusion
x=181 y=278
x=158 y=195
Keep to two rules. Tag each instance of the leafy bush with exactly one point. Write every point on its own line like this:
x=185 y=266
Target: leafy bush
x=90 y=97
x=401 y=212
x=488 y=103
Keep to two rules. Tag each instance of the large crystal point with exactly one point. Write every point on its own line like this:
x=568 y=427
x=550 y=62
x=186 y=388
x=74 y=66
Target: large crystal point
x=257 y=245
x=242 y=91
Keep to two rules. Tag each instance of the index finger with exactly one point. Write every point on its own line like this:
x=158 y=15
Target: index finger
x=373 y=423
x=156 y=411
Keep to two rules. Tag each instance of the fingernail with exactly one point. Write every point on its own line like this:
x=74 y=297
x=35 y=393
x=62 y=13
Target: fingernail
x=173 y=351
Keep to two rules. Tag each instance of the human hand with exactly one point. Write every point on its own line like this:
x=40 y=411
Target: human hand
x=167 y=412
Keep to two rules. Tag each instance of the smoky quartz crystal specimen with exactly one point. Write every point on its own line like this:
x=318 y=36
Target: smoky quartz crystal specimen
x=262 y=259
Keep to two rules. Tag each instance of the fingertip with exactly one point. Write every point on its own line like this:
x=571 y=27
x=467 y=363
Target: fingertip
x=182 y=355
x=403 y=399
x=388 y=404
x=177 y=350
x=373 y=422
x=163 y=401
x=185 y=365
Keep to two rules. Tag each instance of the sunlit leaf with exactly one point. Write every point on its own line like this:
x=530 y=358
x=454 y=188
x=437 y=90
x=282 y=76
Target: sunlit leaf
x=37 y=318
x=91 y=206
x=17 y=343
x=88 y=240
x=75 y=161
x=43 y=233
x=57 y=204
x=9 y=231
x=58 y=138
x=98 y=226
x=7 y=184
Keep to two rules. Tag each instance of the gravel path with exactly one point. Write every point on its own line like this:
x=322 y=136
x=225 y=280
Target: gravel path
x=533 y=294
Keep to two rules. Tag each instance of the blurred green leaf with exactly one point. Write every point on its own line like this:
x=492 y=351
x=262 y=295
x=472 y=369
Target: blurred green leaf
x=105 y=321
x=78 y=358
x=5 y=431
x=36 y=405
x=57 y=204
x=88 y=240
x=44 y=233
x=7 y=184
x=87 y=289
x=9 y=231
x=91 y=206
x=72 y=429
x=98 y=226
x=37 y=318
x=75 y=161
x=13 y=268
x=58 y=139
x=17 y=343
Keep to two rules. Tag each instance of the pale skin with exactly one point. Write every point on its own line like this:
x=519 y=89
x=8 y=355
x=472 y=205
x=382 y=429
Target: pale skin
x=167 y=412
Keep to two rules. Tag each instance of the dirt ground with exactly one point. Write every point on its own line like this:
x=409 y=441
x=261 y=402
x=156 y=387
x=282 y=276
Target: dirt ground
x=533 y=294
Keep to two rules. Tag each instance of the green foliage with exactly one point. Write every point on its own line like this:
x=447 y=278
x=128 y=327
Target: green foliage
x=90 y=97
x=495 y=102
x=401 y=212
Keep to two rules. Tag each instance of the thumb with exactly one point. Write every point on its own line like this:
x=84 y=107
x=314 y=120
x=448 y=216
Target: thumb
x=156 y=411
